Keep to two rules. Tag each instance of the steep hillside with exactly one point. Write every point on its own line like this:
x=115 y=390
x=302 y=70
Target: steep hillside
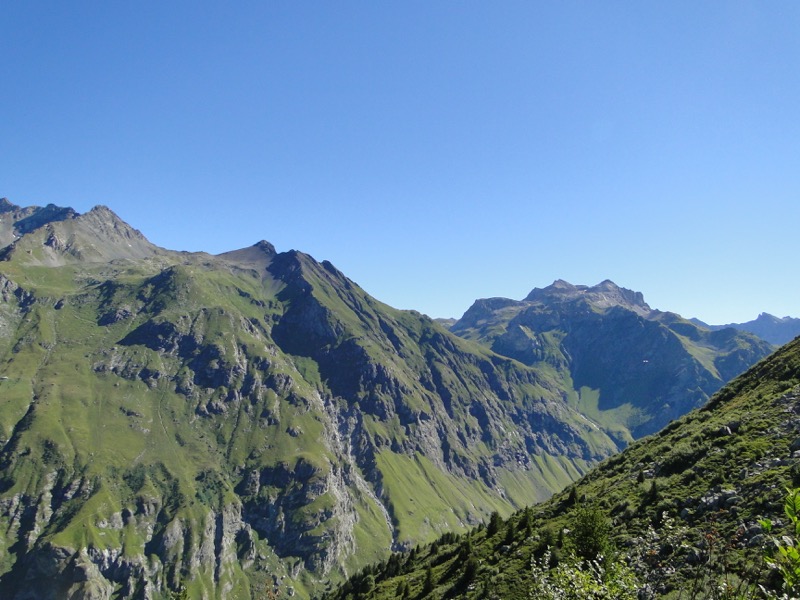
x=682 y=507
x=243 y=423
x=632 y=368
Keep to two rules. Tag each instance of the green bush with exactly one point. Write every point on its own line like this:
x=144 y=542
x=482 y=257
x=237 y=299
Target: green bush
x=577 y=579
x=787 y=557
x=589 y=535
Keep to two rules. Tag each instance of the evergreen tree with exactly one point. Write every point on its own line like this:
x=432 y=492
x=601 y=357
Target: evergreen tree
x=470 y=569
x=494 y=524
x=427 y=588
x=572 y=500
x=509 y=539
x=466 y=549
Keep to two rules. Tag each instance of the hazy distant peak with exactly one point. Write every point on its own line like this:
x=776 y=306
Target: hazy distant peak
x=766 y=317
x=775 y=330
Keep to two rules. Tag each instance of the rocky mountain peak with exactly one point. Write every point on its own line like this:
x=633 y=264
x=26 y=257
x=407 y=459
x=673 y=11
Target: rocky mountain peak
x=607 y=285
x=768 y=318
x=603 y=295
x=560 y=284
x=610 y=292
x=54 y=235
x=6 y=206
x=38 y=217
x=558 y=290
x=106 y=222
x=103 y=212
x=266 y=247
x=258 y=256
x=481 y=310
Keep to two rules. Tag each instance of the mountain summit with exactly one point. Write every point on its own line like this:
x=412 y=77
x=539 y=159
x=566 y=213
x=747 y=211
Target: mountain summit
x=603 y=295
x=55 y=236
x=631 y=367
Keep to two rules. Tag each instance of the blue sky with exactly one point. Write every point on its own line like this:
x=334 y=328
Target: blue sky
x=436 y=152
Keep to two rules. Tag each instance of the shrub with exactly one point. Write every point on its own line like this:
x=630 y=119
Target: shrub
x=589 y=535
x=576 y=579
x=787 y=559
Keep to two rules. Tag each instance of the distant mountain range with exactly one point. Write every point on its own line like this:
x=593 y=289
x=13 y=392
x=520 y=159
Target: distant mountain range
x=778 y=331
x=254 y=421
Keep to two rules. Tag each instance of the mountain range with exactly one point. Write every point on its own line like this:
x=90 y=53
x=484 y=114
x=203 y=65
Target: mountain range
x=774 y=330
x=254 y=421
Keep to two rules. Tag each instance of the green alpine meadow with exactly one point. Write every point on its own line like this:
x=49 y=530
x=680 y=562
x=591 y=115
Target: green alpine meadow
x=253 y=424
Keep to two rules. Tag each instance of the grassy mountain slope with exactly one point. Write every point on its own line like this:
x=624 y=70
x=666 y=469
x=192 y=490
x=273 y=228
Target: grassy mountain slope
x=632 y=368
x=684 y=505
x=241 y=424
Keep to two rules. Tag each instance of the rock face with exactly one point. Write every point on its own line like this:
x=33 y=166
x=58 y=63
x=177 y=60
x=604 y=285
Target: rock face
x=242 y=423
x=640 y=366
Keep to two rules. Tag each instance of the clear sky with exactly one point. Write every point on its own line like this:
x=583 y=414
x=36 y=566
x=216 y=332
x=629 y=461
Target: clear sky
x=435 y=152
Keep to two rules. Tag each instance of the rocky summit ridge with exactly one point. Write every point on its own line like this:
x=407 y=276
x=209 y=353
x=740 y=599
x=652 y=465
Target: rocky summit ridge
x=55 y=236
x=603 y=295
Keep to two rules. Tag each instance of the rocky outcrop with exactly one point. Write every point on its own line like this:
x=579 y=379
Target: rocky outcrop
x=173 y=552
